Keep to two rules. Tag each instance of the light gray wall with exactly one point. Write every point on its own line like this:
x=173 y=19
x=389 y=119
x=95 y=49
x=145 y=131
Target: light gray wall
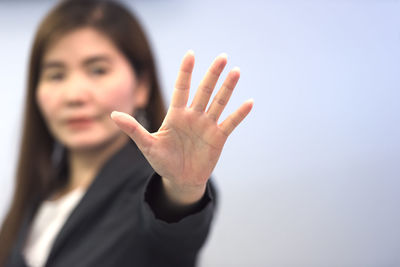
x=312 y=177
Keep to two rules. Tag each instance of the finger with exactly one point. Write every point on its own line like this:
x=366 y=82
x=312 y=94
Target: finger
x=182 y=85
x=207 y=85
x=133 y=129
x=222 y=97
x=233 y=120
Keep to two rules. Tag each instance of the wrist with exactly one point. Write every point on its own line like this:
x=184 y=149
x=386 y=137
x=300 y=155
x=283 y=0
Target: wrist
x=183 y=195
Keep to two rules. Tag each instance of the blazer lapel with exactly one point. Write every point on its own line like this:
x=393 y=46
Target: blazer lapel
x=111 y=177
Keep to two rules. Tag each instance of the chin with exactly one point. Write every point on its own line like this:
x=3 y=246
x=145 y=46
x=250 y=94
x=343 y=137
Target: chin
x=89 y=142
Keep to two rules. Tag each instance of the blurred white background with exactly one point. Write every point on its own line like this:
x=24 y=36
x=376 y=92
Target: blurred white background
x=312 y=177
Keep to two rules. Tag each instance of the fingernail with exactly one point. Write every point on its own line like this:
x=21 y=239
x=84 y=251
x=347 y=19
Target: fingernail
x=236 y=69
x=225 y=55
x=115 y=114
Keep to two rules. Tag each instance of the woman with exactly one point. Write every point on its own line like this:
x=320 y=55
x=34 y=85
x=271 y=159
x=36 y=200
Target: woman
x=86 y=195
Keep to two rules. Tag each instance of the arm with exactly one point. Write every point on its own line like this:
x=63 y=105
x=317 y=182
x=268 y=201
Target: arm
x=169 y=211
x=173 y=236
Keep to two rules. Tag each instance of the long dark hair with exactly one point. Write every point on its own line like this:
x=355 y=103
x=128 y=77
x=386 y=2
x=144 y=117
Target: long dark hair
x=36 y=169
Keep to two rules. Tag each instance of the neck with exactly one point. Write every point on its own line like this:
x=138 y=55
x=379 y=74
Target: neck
x=84 y=164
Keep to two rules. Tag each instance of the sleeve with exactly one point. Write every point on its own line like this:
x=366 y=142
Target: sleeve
x=177 y=239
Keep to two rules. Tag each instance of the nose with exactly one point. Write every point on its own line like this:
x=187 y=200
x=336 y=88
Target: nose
x=77 y=91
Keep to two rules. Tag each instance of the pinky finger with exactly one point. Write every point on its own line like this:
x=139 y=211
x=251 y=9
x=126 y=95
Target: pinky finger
x=234 y=119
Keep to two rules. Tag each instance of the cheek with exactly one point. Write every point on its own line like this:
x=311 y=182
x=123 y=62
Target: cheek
x=120 y=96
x=47 y=102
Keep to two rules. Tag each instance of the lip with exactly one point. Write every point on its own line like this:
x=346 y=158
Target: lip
x=79 y=123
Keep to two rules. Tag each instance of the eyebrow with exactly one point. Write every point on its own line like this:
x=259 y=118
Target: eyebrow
x=90 y=60
x=52 y=64
x=95 y=59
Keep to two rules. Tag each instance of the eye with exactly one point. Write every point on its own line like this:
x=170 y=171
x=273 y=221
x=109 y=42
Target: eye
x=54 y=76
x=98 y=70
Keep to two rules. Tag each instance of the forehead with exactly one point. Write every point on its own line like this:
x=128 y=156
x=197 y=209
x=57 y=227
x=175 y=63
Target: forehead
x=80 y=44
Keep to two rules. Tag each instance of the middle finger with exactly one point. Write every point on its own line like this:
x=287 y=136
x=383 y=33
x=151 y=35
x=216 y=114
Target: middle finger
x=208 y=83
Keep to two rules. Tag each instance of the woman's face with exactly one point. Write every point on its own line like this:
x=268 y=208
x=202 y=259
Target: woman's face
x=84 y=77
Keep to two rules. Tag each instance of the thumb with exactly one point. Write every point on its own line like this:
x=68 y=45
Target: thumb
x=133 y=129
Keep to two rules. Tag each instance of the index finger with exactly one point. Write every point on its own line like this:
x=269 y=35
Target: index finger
x=182 y=85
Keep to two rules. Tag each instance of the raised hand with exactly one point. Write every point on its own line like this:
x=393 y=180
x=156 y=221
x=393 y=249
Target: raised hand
x=186 y=148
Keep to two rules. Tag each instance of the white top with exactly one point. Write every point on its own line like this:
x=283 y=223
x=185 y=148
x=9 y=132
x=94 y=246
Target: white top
x=46 y=225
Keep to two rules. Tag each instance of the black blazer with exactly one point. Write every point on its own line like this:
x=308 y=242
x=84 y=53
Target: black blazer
x=114 y=225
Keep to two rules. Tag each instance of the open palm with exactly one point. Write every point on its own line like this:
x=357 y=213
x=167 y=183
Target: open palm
x=186 y=148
